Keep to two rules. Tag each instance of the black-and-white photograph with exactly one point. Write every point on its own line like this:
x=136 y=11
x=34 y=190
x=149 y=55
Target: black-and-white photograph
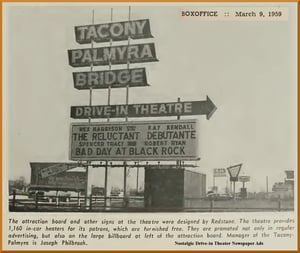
x=149 y=109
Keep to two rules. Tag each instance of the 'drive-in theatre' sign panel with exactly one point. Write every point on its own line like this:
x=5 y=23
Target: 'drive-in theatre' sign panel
x=205 y=107
x=140 y=140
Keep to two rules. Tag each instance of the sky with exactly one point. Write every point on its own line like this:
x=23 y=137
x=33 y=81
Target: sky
x=248 y=69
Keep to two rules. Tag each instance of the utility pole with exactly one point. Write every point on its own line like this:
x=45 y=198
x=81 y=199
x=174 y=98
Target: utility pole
x=267 y=185
x=137 y=178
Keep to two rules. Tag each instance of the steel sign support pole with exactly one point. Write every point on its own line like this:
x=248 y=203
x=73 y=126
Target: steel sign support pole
x=233 y=190
x=125 y=185
x=178 y=162
x=108 y=119
x=267 y=185
x=92 y=46
x=110 y=45
x=128 y=64
x=86 y=185
x=126 y=119
x=178 y=116
x=137 y=178
x=90 y=104
x=105 y=184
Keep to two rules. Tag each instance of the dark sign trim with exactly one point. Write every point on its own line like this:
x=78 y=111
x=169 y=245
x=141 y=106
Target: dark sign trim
x=117 y=31
x=118 y=78
x=114 y=126
x=136 y=53
x=205 y=107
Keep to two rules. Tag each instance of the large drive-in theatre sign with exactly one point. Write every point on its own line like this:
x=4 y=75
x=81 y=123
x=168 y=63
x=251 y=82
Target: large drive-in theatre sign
x=135 y=140
x=154 y=140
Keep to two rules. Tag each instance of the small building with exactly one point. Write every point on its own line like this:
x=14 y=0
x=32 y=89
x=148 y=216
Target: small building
x=283 y=190
x=168 y=187
x=97 y=191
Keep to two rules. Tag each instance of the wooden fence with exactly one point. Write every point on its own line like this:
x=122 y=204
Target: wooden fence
x=57 y=203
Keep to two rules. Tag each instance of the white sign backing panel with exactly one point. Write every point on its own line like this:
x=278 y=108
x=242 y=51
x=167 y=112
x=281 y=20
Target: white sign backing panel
x=136 y=140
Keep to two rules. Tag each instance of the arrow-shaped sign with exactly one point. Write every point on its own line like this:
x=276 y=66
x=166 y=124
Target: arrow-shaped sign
x=234 y=172
x=205 y=107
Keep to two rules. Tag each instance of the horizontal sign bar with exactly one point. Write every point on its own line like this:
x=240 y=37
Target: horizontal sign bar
x=114 y=55
x=205 y=107
x=220 y=172
x=119 y=78
x=136 y=140
x=75 y=180
x=135 y=29
x=244 y=178
x=139 y=165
